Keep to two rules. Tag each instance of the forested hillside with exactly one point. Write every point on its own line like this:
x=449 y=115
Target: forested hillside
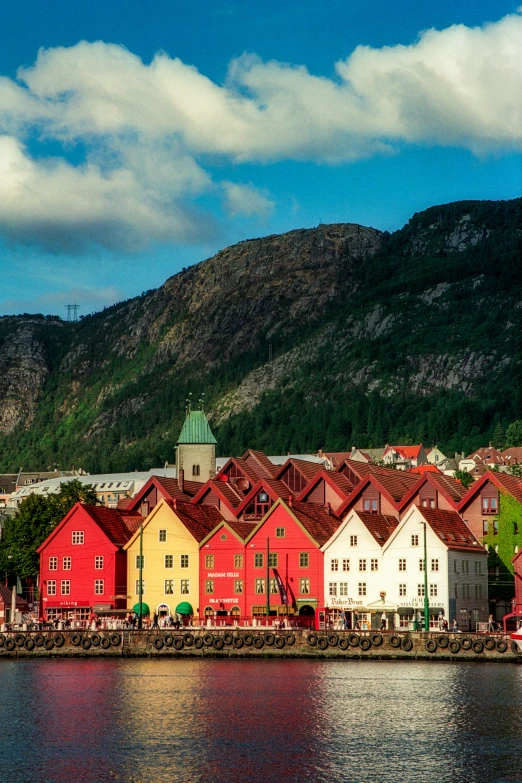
x=373 y=338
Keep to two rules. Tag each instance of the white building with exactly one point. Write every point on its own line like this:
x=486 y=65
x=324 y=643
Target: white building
x=375 y=564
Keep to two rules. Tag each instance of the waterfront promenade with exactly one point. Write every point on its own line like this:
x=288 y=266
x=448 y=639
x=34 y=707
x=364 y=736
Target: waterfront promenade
x=295 y=643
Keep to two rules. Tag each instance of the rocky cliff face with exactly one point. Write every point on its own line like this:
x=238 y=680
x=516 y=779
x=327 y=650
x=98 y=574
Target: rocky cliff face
x=316 y=337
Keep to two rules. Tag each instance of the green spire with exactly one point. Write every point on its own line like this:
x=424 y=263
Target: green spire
x=196 y=429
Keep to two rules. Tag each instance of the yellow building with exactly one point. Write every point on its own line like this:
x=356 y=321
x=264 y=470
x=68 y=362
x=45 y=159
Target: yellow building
x=170 y=569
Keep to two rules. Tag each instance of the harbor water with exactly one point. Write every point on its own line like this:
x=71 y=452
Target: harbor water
x=259 y=721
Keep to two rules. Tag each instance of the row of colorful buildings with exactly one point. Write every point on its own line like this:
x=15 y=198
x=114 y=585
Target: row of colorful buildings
x=293 y=539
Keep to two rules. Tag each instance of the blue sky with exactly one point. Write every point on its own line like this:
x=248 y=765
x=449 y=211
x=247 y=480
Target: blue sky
x=146 y=136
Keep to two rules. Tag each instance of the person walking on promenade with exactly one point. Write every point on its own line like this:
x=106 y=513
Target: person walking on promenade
x=155 y=621
x=491 y=623
x=383 y=621
x=344 y=624
x=455 y=626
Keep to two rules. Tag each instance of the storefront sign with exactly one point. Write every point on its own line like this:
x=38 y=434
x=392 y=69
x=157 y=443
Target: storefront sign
x=217 y=574
x=332 y=601
x=222 y=600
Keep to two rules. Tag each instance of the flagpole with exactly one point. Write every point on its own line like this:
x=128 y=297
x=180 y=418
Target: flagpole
x=267 y=577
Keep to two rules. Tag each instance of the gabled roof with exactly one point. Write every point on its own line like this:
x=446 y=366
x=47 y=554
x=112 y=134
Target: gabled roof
x=225 y=491
x=488 y=454
x=406 y=452
x=393 y=484
x=6 y=597
x=513 y=453
x=167 y=488
x=318 y=524
x=240 y=529
x=339 y=483
x=241 y=465
x=337 y=457
x=381 y=526
x=196 y=429
x=307 y=469
x=420 y=469
x=360 y=468
x=452 y=489
x=199 y=520
x=274 y=489
x=503 y=481
x=262 y=460
x=117 y=525
x=451 y=529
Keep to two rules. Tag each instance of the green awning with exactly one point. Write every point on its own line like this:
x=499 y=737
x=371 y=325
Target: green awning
x=144 y=609
x=184 y=608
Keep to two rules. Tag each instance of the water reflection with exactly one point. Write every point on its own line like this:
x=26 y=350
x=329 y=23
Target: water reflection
x=222 y=721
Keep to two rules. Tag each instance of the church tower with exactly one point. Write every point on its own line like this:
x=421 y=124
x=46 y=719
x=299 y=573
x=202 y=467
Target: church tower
x=196 y=448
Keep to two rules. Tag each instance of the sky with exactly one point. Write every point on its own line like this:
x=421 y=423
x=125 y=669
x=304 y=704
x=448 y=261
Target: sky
x=140 y=138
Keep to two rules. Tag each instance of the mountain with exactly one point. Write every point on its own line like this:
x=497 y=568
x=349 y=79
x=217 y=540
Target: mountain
x=328 y=337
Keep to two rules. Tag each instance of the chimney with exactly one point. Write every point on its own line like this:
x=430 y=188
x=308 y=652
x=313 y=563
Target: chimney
x=290 y=500
x=181 y=480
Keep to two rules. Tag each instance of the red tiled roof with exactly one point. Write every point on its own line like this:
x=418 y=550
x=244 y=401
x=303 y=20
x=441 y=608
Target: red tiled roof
x=124 y=503
x=337 y=457
x=307 y=469
x=340 y=482
x=275 y=489
x=242 y=529
x=263 y=461
x=115 y=524
x=451 y=529
x=513 y=454
x=199 y=520
x=407 y=452
x=6 y=597
x=396 y=482
x=360 y=468
x=421 y=469
x=381 y=526
x=451 y=486
x=320 y=524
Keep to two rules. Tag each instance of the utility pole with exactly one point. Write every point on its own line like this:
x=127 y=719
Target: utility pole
x=140 y=585
x=72 y=312
x=426 y=600
x=267 y=577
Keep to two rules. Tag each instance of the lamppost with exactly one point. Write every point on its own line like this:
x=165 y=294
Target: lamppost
x=140 y=583
x=426 y=600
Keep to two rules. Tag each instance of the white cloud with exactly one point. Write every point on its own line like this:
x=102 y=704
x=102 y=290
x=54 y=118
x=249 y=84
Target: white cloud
x=246 y=200
x=148 y=128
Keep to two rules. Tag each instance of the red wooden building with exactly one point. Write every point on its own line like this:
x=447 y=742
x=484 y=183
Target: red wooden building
x=83 y=567
x=222 y=573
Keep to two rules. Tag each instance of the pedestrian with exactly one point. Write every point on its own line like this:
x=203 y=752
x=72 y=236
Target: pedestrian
x=491 y=623
x=455 y=626
x=155 y=621
x=445 y=625
x=383 y=621
x=343 y=620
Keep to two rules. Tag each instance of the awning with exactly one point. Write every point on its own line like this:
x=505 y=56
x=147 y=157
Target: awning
x=184 y=608
x=113 y=612
x=102 y=607
x=306 y=602
x=144 y=609
x=402 y=610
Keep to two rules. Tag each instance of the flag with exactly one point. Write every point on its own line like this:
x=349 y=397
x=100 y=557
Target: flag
x=282 y=591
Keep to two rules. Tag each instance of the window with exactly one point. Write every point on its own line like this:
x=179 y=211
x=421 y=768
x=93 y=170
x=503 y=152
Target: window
x=65 y=587
x=162 y=535
x=169 y=586
x=77 y=536
x=434 y=564
x=99 y=586
x=195 y=470
x=53 y=564
x=185 y=586
x=238 y=586
x=415 y=540
x=353 y=540
x=362 y=565
x=362 y=588
x=374 y=564
x=332 y=588
x=465 y=566
x=209 y=586
x=209 y=561
x=489 y=505
x=334 y=565
x=260 y=586
x=402 y=589
x=272 y=559
x=370 y=504
x=304 y=586
x=169 y=561
x=280 y=532
x=421 y=564
x=343 y=588
x=259 y=560
x=304 y=560
x=456 y=591
x=273 y=587
x=402 y=564
x=433 y=591
x=51 y=587
x=478 y=567
x=455 y=566
x=485 y=526
x=495 y=528
x=184 y=561
x=140 y=561
x=238 y=561
x=420 y=591
x=98 y=563
x=346 y=565
x=138 y=587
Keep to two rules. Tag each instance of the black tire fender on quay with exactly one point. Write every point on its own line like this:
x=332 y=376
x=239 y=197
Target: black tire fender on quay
x=2 y=639
x=290 y=639
x=115 y=639
x=228 y=638
x=59 y=640
x=322 y=643
x=343 y=643
x=168 y=639
x=311 y=639
x=238 y=642
x=258 y=642
x=442 y=641
x=198 y=642
x=19 y=639
x=49 y=643
x=377 y=639
x=333 y=639
x=269 y=639
x=248 y=639
x=514 y=648
x=29 y=644
x=177 y=643
x=158 y=643
x=219 y=643
x=395 y=641
x=279 y=642
x=478 y=647
x=86 y=643
x=76 y=640
x=105 y=643
x=454 y=646
x=501 y=646
x=407 y=645
x=208 y=639
x=188 y=640
x=39 y=640
x=466 y=643
x=365 y=643
x=489 y=643
x=10 y=644
x=354 y=640
x=431 y=645
x=95 y=639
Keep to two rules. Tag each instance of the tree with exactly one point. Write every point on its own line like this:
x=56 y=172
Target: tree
x=36 y=518
x=514 y=434
x=499 y=437
x=465 y=478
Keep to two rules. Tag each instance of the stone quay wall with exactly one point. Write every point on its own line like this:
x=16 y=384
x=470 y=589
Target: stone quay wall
x=247 y=643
